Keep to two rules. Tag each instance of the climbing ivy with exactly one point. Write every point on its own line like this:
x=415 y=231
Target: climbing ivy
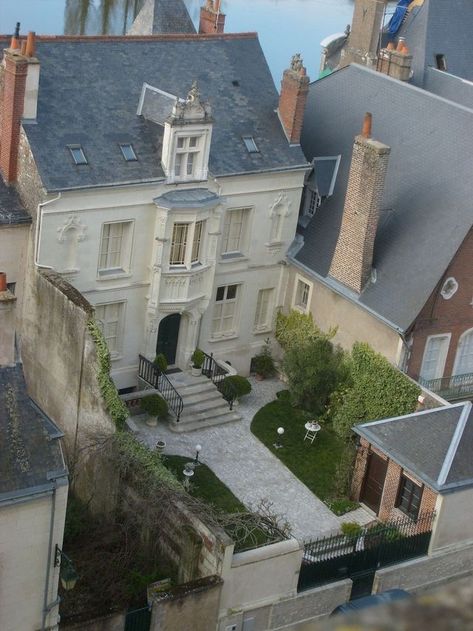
x=296 y=328
x=115 y=406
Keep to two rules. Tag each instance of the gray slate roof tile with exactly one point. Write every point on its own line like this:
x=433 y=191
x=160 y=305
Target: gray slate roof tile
x=12 y=210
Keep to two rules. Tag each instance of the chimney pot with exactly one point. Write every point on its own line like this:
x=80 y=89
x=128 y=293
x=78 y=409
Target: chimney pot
x=31 y=44
x=400 y=44
x=367 y=124
x=15 y=40
x=23 y=47
x=390 y=46
x=3 y=281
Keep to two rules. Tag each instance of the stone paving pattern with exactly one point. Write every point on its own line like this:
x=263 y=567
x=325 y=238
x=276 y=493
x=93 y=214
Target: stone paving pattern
x=250 y=470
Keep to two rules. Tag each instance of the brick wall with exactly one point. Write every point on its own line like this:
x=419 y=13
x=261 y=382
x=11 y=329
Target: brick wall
x=454 y=315
x=211 y=20
x=294 y=91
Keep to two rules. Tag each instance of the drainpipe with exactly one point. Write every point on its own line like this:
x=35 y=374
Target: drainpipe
x=39 y=226
x=47 y=607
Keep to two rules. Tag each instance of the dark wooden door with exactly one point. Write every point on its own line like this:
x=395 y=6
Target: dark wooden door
x=374 y=482
x=168 y=334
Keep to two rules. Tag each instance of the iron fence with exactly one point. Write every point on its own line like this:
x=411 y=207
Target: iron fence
x=454 y=387
x=149 y=372
x=217 y=374
x=343 y=556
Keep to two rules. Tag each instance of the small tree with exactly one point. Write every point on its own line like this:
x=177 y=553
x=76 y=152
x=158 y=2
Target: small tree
x=297 y=328
x=314 y=370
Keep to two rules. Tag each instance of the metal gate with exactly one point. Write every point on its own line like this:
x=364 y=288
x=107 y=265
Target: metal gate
x=138 y=619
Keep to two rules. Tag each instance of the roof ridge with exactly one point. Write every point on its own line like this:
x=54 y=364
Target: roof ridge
x=141 y=38
x=412 y=414
x=456 y=438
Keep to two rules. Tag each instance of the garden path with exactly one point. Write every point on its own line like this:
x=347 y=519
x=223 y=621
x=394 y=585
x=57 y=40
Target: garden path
x=250 y=470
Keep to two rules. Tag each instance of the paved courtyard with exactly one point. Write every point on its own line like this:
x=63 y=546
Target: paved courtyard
x=250 y=470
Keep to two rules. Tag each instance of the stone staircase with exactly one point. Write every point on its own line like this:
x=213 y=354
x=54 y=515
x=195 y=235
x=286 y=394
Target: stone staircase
x=204 y=406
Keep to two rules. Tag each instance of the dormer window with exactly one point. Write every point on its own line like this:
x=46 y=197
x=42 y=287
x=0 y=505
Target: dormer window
x=187 y=153
x=128 y=152
x=77 y=154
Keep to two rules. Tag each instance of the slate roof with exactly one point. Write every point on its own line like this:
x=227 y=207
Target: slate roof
x=171 y=16
x=89 y=94
x=187 y=198
x=434 y=445
x=29 y=447
x=440 y=27
x=426 y=210
x=449 y=86
x=12 y=210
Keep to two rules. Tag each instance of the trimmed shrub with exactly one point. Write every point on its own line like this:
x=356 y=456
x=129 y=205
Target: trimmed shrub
x=197 y=358
x=236 y=384
x=351 y=529
x=154 y=405
x=378 y=391
x=161 y=362
x=263 y=363
x=296 y=329
x=284 y=395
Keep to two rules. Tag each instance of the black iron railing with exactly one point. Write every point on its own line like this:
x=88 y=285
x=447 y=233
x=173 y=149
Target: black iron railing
x=217 y=374
x=344 y=556
x=451 y=388
x=149 y=372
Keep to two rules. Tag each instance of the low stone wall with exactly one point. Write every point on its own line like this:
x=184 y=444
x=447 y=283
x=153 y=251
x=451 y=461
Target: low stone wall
x=112 y=622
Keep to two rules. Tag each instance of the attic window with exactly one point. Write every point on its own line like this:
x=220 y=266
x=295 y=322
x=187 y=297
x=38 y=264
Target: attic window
x=78 y=154
x=441 y=62
x=128 y=152
x=449 y=288
x=250 y=144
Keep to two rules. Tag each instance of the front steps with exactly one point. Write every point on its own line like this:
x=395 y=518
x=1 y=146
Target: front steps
x=204 y=406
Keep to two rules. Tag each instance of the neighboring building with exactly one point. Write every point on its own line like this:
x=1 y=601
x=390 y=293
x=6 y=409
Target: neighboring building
x=415 y=464
x=162 y=16
x=170 y=214
x=33 y=494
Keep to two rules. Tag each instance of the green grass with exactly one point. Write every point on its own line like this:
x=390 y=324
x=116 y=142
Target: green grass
x=313 y=463
x=205 y=485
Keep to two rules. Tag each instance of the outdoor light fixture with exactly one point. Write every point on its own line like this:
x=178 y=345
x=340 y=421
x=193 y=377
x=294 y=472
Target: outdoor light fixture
x=198 y=449
x=67 y=572
x=278 y=444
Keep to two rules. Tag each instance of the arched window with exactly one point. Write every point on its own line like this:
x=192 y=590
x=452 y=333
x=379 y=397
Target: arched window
x=464 y=356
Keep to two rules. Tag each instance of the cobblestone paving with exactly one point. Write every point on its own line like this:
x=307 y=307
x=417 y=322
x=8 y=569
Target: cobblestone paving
x=250 y=470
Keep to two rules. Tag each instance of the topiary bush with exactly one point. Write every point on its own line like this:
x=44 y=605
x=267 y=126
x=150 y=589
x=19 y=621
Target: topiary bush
x=351 y=529
x=263 y=363
x=197 y=358
x=378 y=390
x=154 y=405
x=236 y=384
x=161 y=362
x=297 y=328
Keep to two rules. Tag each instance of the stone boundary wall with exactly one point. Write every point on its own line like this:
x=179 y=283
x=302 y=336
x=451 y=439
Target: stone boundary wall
x=112 y=622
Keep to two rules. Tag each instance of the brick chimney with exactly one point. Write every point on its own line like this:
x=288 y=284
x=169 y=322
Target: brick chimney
x=353 y=257
x=395 y=62
x=293 y=97
x=363 y=41
x=211 y=19
x=18 y=95
x=7 y=323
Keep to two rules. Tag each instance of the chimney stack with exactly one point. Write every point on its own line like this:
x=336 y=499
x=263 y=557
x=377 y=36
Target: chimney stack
x=294 y=91
x=7 y=323
x=211 y=19
x=362 y=44
x=353 y=256
x=395 y=62
x=18 y=99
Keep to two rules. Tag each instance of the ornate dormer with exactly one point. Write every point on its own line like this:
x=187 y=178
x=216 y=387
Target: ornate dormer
x=187 y=137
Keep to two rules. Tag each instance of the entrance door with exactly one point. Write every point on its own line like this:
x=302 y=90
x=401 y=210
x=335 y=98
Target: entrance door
x=168 y=334
x=374 y=482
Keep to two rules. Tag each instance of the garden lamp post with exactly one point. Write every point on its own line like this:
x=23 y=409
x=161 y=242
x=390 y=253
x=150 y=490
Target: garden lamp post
x=278 y=444
x=67 y=572
x=198 y=449
x=188 y=473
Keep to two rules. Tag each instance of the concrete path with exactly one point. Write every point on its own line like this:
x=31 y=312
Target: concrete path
x=250 y=470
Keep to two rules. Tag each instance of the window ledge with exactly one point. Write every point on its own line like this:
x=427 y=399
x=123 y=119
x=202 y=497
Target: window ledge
x=115 y=356
x=301 y=308
x=223 y=338
x=259 y=331
x=113 y=276
x=233 y=258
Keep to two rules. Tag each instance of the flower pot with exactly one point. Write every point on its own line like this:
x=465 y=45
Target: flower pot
x=160 y=446
x=259 y=377
x=152 y=421
x=196 y=372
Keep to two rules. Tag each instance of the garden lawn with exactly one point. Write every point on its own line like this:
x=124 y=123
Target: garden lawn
x=314 y=463
x=205 y=485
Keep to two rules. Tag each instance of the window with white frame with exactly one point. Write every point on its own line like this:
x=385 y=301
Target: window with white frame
x=263 y=309
x=109 y=317
x=234 y=231
x=435 y=354
x=179 y=243
x=302 y=295
x=186 y=156
x=186 y=244
x=115 y=248
x=225 y=311
x=464 y=356
x=197 y=242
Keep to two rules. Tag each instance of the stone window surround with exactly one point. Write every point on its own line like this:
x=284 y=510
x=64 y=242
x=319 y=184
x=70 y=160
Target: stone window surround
x=117 y=353
x=265 y=325
x=125 y=253
x=231 y=332
x=297 y=284
x=242 y=247
x=189 y=262
x=442 y=357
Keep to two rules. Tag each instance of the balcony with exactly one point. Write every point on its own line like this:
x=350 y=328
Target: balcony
x=451 y=388
x=183 y=286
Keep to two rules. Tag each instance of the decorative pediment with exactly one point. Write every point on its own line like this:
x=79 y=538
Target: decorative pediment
x=192 y=108
x=280 y=206
x=72 y=224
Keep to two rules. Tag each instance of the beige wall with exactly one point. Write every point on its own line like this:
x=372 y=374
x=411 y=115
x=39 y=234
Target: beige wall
x=330 y=309
x=24 y=546
x=13 y=244
x=454 y=523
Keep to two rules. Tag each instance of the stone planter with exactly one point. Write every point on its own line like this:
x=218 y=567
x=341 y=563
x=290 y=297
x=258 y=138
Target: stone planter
x=152 y=421
x=259 y=377
x=196 y=372
x=160 y=446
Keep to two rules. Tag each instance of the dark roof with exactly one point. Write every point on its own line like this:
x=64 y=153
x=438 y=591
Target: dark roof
x=440 y=27
x=89 y=94
x=171 y=16
x=12 y=210
x=426 y=208
x=449 y=87
x=187 y=198
x=30 y=452
x=434 y=445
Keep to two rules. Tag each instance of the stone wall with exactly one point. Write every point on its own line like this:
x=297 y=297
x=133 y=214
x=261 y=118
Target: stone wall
x=112 y=622
x=29 y=183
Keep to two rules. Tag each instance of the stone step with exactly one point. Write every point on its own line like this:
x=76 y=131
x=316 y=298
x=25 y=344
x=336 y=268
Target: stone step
x=183 y=379
x=208 y=386
x=208 y=407
x=189 y=425
x=200 y=397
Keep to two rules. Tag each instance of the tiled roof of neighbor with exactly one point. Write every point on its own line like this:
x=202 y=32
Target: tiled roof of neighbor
x=29 y=447
x=434 y=445
x=89 y=94
x=440 y=27
x=426 y=209
x=12 y=210
x=162 y=16
x=449 y=86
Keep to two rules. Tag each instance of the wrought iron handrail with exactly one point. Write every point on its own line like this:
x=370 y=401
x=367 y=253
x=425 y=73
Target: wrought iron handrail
x=149 y=372
x=217 y=374
x=450 y=387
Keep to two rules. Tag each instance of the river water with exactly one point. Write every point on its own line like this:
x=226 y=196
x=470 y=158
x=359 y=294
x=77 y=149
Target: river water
x=284 y=26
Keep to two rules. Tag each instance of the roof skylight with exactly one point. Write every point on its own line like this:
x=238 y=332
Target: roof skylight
x=250 y=144
x=78 y=154
x=128 y=152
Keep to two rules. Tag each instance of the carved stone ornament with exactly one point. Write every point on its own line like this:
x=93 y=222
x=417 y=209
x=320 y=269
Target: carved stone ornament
x=193 y=108
x=296 y=62
x=280 y=206
x=72 y=224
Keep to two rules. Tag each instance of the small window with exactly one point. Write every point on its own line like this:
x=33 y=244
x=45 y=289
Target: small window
x=313 y=203
x=263 y=310
x=128 y=152
x=179 y=243
x=449 y=288
x=302 y=295
x=409 y=497
x=115 y=248
x=225 y=311
x=235 y=230
x=441 y=62
x=78 y=154
x=109 y=317
x=250 y=144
